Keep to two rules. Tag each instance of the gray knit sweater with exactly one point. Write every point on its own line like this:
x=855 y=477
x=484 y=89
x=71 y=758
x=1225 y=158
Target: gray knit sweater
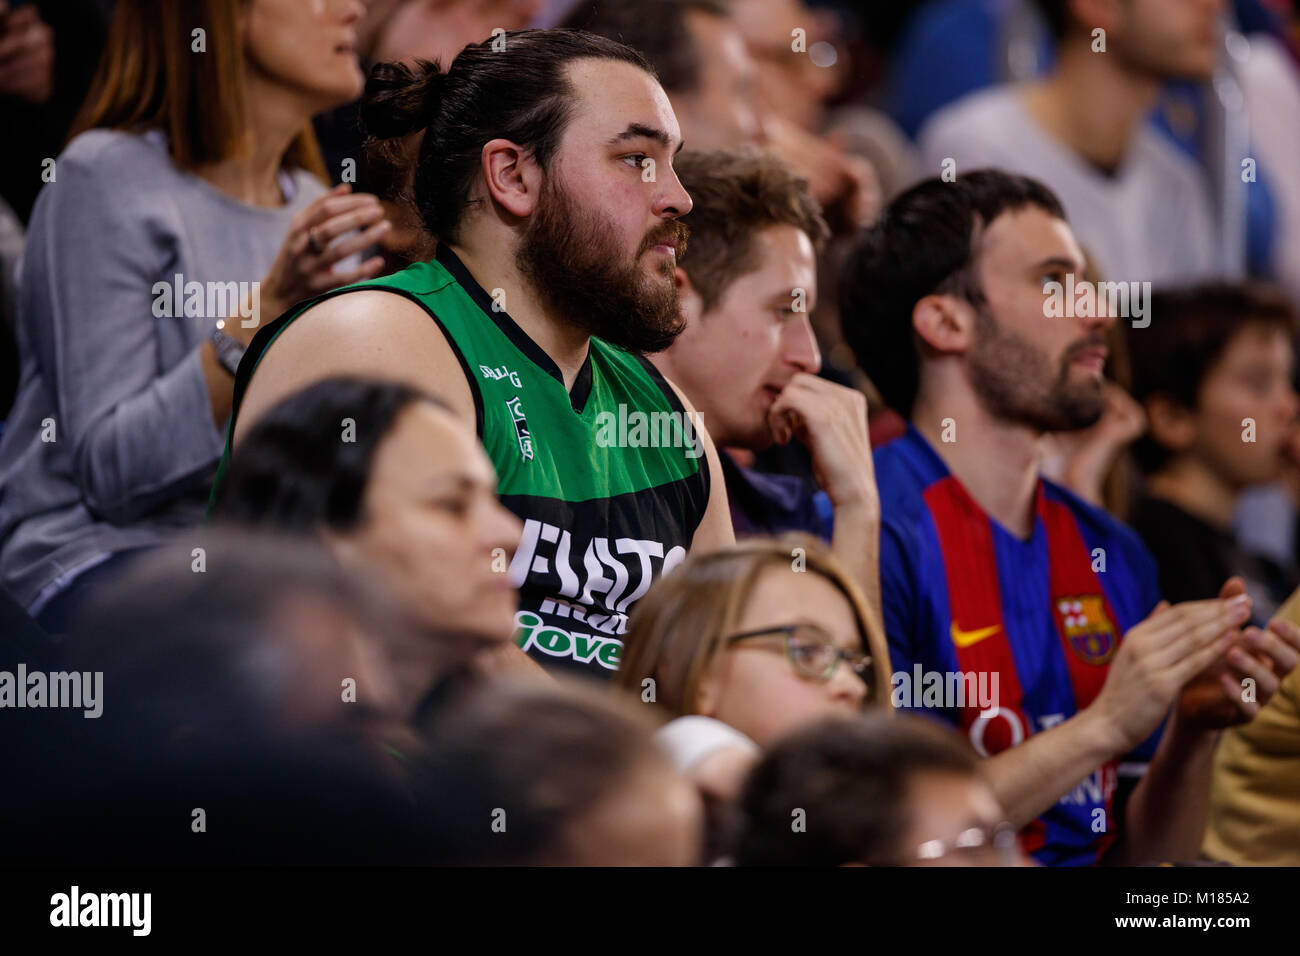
x=111 y=443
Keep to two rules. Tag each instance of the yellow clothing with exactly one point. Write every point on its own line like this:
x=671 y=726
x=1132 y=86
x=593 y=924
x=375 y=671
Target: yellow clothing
x=1255 y=794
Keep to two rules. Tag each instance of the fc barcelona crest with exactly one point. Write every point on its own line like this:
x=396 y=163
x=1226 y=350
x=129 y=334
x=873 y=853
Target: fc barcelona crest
x=1087 y=629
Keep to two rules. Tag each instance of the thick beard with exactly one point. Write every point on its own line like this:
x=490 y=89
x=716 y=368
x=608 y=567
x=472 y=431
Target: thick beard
x=1014 y=381
x=570 y=256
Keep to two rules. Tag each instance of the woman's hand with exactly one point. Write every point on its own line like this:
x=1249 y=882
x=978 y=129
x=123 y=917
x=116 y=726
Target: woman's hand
x=335 y=226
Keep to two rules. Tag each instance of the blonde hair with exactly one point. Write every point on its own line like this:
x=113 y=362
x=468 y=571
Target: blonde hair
x=676 y=632
x=148 y=78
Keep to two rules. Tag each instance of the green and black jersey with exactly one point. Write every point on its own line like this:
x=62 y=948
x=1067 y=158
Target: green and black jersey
x=609 y=479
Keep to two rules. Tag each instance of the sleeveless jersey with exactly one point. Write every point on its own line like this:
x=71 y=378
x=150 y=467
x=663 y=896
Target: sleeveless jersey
x=609 y=479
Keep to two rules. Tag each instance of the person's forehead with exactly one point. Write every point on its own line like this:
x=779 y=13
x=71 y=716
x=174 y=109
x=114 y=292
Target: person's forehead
x=1023 y=237
x=786 y=243
x=951 y=792
x=613 y=96
x=422 y=423
x=785 y=260
x=720 y=33
x=767 y=23
x=423 y=427
x=1255 y=337
x=782 y=595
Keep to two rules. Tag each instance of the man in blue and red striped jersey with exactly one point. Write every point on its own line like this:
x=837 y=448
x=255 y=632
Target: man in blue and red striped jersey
x=1046 y=603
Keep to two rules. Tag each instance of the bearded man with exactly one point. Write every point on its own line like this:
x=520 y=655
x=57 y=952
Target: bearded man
x=544 y=172
x=988 y=569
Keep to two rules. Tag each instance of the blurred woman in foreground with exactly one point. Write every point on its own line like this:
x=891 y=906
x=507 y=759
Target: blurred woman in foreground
x=399 y=489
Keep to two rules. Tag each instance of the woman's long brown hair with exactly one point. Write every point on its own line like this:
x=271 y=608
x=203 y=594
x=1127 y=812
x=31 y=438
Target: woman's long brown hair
x=150 y=78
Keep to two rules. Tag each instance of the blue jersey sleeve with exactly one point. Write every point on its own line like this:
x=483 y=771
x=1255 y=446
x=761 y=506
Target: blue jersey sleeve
x=898 y=589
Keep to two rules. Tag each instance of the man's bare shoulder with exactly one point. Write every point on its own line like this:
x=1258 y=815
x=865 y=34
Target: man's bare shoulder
x=368 y=334
x=371 y=319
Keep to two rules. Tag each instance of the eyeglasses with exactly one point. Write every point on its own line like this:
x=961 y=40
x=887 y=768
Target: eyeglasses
x=996 y=842
x=812 y=653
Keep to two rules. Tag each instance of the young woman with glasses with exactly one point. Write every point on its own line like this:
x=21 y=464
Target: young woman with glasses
x=761 y=638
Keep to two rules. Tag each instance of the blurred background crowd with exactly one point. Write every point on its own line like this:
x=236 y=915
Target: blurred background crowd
x=1171 y=151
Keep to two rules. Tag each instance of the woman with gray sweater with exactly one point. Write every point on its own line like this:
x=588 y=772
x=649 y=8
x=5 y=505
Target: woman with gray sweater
x=189 y=210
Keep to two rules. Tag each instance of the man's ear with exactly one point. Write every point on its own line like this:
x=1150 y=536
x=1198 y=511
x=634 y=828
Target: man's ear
x=512 y=177
x=692 y=306
x=1170 y=424
x=944 y=323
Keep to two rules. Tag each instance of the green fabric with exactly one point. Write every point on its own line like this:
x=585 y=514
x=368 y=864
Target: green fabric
x=608 y=479
x=561 y=466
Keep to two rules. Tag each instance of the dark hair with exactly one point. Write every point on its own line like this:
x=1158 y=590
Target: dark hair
x=198 y=635
x=1056 y=15
x=851 y=779
x=925 y=242
x=200 y=666
x=737 y=194
x=655 y=28
x=546 y=754
x=1189 y=331
x=293 y=470
x=519 y=93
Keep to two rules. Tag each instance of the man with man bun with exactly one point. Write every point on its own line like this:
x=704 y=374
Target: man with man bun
x=545 y=172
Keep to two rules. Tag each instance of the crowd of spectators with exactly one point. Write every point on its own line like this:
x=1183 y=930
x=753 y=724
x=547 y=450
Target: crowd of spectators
x=650 y=432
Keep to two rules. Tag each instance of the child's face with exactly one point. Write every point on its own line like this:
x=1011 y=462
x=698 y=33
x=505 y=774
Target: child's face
x=1251 y=382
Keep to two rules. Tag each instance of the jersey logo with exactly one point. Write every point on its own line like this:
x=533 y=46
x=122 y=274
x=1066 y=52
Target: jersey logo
x=1086 y=626
x=967 y=638
x=496 y=374
x=521 y=428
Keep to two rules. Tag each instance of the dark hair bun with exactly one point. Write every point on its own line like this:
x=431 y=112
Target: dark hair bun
x=401 y=99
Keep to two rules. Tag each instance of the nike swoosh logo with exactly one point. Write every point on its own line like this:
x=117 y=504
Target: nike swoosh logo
x=967 y=638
